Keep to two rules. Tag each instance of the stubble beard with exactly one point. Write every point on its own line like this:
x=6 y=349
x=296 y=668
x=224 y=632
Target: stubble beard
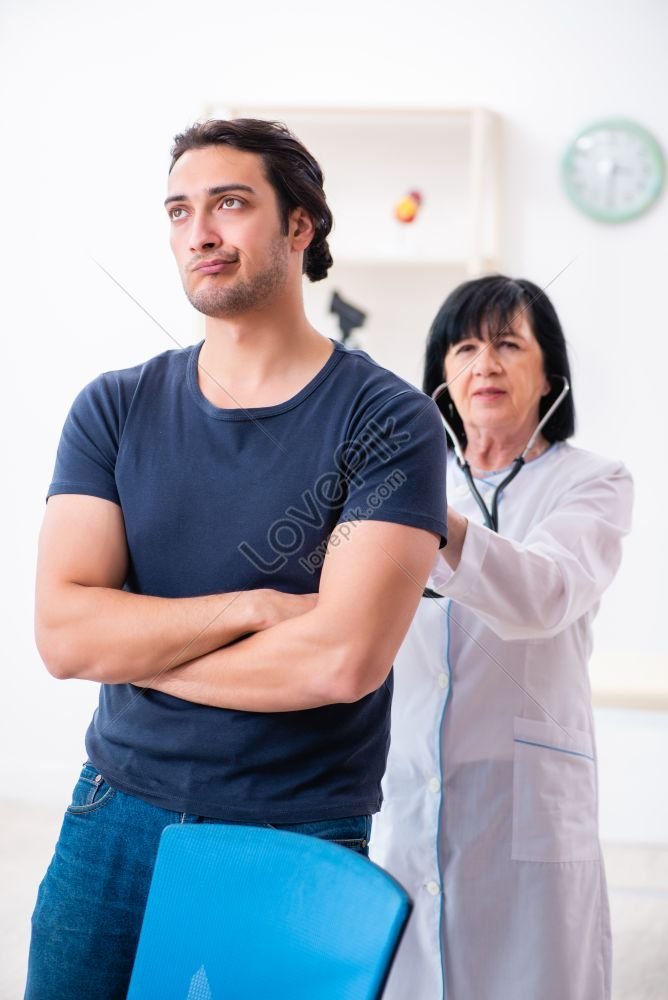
x=244 y=295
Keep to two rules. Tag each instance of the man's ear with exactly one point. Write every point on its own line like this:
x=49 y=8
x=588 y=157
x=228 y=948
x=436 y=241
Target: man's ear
x=300 y=229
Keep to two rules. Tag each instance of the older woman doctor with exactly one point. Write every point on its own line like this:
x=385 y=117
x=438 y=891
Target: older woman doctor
x=490 y=812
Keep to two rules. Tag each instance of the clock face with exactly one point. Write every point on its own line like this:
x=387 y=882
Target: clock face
x=613 y=170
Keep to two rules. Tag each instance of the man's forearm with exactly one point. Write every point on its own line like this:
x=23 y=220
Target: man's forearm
x=115 y=637
x=340 y=651
x=298 y=664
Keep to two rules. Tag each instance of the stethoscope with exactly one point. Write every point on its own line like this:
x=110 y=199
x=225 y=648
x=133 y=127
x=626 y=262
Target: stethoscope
x=491 y=514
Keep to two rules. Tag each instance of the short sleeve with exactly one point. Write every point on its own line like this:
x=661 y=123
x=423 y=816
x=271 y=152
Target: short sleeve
x=395 y=465
x=86 y=457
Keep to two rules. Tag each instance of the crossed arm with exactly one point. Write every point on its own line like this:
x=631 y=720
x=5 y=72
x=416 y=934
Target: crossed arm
x=304 y=652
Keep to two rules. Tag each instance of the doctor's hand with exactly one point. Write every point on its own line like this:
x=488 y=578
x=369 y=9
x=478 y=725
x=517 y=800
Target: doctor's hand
x=273 y=606
x=452 y=552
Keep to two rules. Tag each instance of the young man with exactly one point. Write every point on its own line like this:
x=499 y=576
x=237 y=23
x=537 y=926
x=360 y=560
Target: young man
x=199 y=502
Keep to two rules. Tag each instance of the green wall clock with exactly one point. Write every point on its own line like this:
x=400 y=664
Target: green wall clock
x=613 y=170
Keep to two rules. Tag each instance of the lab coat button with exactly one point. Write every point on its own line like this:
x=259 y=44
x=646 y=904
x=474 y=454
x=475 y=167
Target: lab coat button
x=442 y=680
x=433 y=888
x=434 y=785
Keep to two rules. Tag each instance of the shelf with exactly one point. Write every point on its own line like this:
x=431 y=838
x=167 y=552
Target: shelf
x=371 y=158
x=344 y=116
x=445 y=263
x=632 y=681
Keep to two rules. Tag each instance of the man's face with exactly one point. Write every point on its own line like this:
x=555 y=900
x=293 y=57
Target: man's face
x=225 y=231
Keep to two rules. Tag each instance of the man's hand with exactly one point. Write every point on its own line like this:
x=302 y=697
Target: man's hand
x=274 y=606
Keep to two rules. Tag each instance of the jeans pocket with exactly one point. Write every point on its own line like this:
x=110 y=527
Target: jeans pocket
x=352 y=832
x=554 y=794
x=91 y=791
x=360 y=845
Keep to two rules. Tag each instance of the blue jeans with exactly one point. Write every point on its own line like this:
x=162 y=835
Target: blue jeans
x=90 y=904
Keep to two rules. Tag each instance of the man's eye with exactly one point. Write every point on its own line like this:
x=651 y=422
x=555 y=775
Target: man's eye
x=173 y=215
x=231 y=202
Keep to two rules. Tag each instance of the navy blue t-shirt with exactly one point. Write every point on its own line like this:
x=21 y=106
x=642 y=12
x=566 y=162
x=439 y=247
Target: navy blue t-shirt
x=218 y=500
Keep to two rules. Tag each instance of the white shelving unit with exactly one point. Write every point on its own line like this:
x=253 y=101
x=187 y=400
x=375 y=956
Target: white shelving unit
x=398 y=273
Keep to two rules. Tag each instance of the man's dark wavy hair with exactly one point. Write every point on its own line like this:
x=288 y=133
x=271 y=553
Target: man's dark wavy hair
x=488 y=305
x=293 y=173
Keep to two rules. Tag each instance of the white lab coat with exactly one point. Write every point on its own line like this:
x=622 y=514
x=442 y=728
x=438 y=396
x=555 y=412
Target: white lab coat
x=490 y=812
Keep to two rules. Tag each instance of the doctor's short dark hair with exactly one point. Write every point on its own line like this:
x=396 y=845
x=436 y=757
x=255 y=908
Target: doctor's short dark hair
x=293 y=173
x=491 y=303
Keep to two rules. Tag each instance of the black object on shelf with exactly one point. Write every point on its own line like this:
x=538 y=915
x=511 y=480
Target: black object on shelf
x=349 y=316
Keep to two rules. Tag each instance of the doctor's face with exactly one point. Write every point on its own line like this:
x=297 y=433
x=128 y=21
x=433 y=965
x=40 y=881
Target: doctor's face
x=497 y=384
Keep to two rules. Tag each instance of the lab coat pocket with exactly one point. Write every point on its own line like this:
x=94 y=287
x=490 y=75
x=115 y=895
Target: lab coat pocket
x=554 y=794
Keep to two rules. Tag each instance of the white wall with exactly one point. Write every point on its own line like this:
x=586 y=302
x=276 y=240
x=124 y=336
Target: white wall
x=92 y=95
